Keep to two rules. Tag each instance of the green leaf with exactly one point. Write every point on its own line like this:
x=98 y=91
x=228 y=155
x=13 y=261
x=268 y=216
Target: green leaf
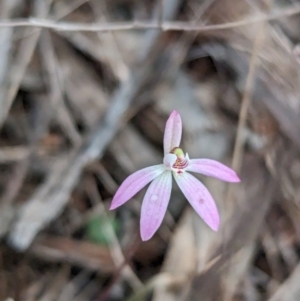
x=98 y=229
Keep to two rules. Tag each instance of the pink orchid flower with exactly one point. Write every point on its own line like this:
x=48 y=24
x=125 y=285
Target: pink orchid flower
x=157 y=197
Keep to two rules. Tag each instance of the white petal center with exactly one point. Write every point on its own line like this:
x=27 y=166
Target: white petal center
x=169 y=161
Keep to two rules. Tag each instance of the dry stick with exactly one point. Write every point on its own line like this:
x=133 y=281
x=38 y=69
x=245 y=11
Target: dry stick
x=14 y=186
x=164 y=26
x=25 y=53
x=160 y=7
x=115 y=248
x=8 y=9
x=21 y=154
x=116 y=62
x=56 y=284
x=59 y=110
x=290 y=289
x=105 y=294
x=74 y=286
x=181 y=47
x=239 y=141
x=6 y=99
x=51 y=197
x=20 y=172
x=63 y=12
x=13 y=154
x=5 y=45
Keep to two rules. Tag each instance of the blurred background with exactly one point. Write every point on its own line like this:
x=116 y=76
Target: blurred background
x=86 y=87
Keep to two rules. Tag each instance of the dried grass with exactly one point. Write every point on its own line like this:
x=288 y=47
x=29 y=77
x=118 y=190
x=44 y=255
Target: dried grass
x=85 y=90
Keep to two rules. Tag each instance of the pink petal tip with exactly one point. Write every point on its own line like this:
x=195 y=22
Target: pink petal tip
x=174 y=113
x=173 y=131
x=134 y=183
x=214 y=169
x=155 y=205
x=200 y=199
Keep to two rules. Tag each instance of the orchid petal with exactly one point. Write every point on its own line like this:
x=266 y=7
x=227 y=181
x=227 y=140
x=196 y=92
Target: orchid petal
x=173 y=131
x=155 y=204
x=200 y=199
x=134 y=183
x=169 y=160
x=214 y=169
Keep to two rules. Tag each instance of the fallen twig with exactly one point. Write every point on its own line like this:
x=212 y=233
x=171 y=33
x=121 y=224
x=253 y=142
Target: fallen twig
x=142 y=25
